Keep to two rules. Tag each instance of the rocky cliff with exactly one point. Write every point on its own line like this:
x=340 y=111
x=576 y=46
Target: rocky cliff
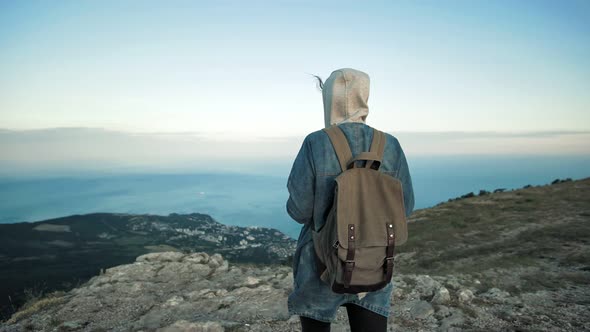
x=57 y=254
x=505 y=261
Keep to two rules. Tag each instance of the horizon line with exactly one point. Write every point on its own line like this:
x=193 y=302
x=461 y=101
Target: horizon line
x=188 y=132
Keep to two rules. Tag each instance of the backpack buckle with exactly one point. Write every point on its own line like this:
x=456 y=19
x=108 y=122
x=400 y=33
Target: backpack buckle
x=348 y=272
x=388 y=267
x=335 y=245
x=349 y=264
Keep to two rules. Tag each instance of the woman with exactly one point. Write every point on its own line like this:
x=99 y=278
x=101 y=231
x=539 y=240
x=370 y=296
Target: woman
x=311 y=188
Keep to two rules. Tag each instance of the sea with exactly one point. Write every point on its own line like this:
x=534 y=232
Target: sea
x=258 y=198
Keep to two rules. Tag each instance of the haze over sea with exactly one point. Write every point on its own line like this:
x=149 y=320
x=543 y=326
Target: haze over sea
x=253 y=199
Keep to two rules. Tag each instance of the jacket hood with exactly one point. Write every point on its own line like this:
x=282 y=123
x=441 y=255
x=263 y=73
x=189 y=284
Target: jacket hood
x=345 y=94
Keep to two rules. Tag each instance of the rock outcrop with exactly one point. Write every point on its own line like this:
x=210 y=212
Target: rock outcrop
x=75 y=248
x=171 y=291
x=168 y=291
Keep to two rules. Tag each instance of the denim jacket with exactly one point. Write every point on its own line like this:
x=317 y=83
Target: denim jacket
x=311 y=187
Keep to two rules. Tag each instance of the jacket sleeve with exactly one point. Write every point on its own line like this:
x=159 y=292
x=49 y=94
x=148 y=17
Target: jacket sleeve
x=301 y=184
x=406 y=180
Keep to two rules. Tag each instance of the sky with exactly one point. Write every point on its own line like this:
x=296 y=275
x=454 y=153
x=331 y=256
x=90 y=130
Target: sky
x=493 y=75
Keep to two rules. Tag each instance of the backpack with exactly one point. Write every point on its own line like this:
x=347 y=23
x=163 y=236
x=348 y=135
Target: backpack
x=354 y=248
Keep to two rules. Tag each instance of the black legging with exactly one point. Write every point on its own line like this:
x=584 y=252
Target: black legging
x=360 y=320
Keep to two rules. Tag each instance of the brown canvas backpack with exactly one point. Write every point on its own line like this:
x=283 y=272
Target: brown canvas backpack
x=354 y=248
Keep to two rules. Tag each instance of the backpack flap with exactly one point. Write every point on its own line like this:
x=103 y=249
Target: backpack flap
x=370 y=200
x=371 y=221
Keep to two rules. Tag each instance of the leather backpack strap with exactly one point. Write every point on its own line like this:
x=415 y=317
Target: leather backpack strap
x=340 y=145
x=388 y=266
x=378 y=143
x=349 y=263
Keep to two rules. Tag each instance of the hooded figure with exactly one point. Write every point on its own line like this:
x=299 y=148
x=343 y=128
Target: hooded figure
x=311 y=188
x=345 y=94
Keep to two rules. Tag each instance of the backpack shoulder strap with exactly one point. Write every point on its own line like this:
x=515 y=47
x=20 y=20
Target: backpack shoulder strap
x=378 y=143
x=340 y=145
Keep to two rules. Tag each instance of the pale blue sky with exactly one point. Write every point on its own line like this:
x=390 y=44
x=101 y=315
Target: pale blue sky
x=242 y=67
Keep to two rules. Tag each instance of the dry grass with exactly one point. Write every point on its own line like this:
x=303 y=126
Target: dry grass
x=36 y=304
x=526 y=227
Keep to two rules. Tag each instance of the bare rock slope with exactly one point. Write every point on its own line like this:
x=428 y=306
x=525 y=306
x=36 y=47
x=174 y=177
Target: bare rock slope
x=505 y=261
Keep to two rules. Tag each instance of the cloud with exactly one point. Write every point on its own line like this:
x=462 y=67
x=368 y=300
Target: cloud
x=494 y=142
x=74 y=149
